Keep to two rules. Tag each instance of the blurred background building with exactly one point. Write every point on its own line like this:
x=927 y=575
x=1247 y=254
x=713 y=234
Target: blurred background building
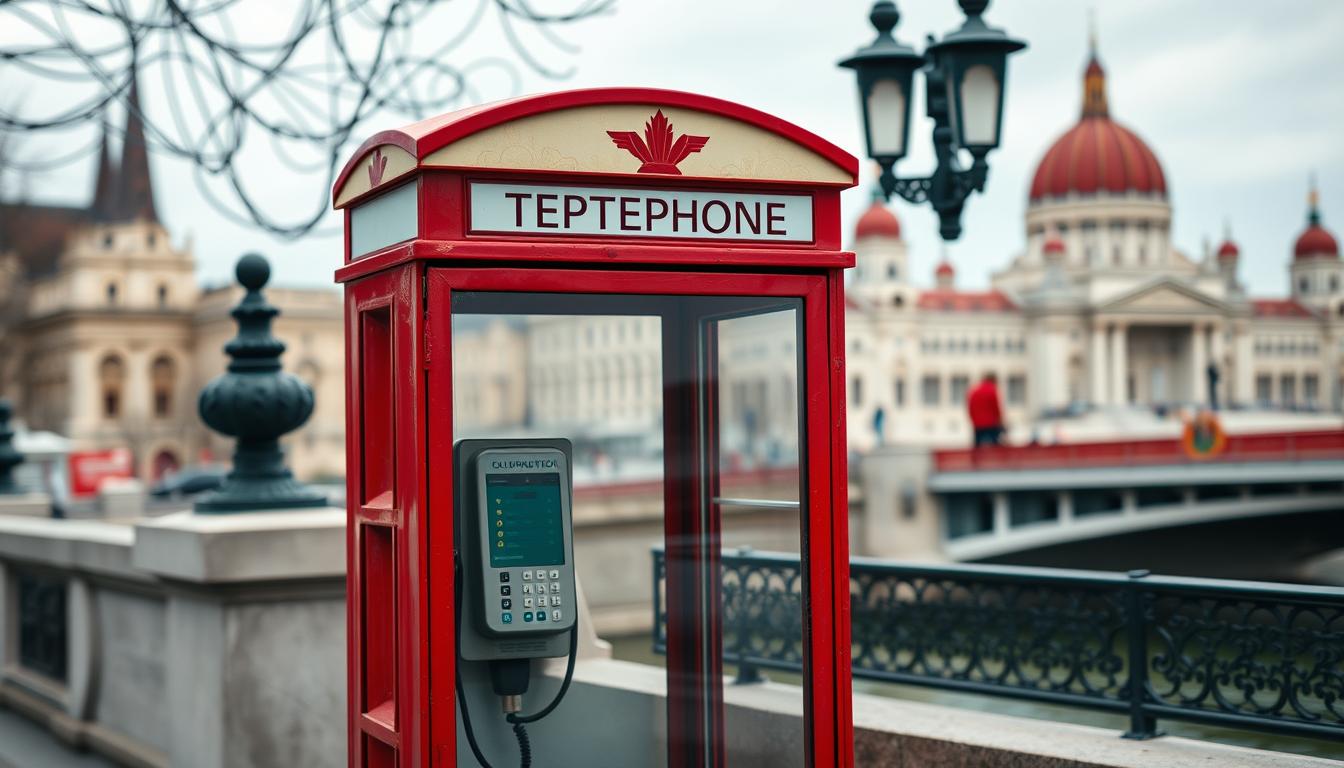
x=106 y=337
x=1100 y=325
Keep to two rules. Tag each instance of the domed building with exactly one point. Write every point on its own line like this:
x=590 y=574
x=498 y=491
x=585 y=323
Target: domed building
x=1099 y=311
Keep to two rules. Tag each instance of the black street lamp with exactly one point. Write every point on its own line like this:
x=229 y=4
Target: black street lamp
x=964 y=77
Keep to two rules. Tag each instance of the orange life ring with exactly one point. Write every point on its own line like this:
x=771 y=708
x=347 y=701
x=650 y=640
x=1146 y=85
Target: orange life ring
x=1203 y=437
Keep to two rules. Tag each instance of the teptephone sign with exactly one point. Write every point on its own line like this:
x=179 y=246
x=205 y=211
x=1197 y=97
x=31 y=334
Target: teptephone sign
x=621 y=191
x=537 y=209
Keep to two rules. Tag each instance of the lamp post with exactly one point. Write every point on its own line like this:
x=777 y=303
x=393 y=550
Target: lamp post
x=964 y=77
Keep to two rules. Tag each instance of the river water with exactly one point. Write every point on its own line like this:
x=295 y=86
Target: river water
x=639 y=648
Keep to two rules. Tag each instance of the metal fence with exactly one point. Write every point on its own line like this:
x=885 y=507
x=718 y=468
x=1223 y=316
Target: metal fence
x=42 y=624
x=1232 y=653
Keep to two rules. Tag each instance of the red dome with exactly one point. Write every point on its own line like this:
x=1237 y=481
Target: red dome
x=1228 y=250
x=945 y=270
x=1316 y=241
x=877 y=221
x=1098 y=154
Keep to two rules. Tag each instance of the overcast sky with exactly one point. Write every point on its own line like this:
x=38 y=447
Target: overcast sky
x=1240 y=101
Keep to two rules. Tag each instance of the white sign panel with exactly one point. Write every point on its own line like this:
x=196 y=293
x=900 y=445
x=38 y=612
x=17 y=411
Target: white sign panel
x=546 y=209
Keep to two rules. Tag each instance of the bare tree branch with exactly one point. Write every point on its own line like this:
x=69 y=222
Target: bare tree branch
x=234 y=80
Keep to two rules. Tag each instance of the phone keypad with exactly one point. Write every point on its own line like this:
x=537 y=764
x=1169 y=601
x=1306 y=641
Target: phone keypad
x=541 y=596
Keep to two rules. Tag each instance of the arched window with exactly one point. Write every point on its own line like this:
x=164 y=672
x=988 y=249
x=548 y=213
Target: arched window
x=111 y=291
x=891 y=271
x=897 y=301
x=163 y=378
x=165 y=463
x=111 y=379
x=163 y=296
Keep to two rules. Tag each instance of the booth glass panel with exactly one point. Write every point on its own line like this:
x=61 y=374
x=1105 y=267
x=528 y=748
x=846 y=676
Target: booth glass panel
x=685 y=416
x=757 y=435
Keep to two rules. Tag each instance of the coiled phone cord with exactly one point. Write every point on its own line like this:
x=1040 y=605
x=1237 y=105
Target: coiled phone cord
x=518 y=721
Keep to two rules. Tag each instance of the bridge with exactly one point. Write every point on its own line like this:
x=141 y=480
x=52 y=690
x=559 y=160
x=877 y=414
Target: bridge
x=997 y=500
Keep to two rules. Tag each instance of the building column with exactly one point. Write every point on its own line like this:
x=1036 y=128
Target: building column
x=1119 y=365
x=1243 y=362
x=1096 y=364
x=1218 y=356
x=1198 y=364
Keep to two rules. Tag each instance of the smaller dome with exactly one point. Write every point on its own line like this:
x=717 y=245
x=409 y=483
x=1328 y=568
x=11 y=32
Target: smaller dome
x=1315 y=240
x=945 y=270
x=877 y=221
x=1053 y=246
x=1228 y=250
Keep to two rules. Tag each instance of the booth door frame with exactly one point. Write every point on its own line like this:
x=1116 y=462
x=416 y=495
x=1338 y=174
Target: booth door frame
x=824 y=528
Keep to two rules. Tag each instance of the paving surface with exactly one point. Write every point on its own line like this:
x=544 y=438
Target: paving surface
x=26 y=745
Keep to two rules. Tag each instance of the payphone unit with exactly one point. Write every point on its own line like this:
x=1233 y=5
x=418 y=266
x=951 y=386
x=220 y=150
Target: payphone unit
x=515 y=568
x=516 y=541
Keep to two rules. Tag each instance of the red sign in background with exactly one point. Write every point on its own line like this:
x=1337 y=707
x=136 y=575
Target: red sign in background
x=88 y=469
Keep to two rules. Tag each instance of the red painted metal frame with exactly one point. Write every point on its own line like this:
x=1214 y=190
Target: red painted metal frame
x=393 y=727
x=400 y=541
x=825 y=526
x=422 y=138
x=1270 y=446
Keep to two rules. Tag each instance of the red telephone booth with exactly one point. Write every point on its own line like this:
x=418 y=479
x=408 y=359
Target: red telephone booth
x=656 y=277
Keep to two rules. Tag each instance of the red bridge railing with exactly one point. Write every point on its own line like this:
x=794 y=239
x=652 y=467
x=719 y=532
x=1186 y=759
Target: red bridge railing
x=1265 y=446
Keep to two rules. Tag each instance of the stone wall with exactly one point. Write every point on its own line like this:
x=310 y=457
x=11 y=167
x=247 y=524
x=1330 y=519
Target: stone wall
x=186 y=644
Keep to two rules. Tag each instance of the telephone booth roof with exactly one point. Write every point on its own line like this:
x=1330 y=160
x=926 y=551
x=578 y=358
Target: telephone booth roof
x=582 y=132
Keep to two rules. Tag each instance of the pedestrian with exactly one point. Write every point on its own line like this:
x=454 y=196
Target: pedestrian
x=986 y=416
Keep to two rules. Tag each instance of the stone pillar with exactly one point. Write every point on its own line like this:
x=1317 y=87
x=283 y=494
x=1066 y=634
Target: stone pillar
x=1218 y=357
x=255 y=659
x=892 y=477
x=1243 y=363
x=85 y=404
x=1096 y=364
x=1119 y=365
x=1198 y=363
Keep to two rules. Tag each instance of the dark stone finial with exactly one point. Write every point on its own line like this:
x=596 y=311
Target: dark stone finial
x=256 y=403
x=9 y=455
x=253 y=272
x=973 y=8
x=884 y=17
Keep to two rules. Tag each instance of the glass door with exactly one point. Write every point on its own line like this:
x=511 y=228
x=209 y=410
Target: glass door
x=688 y=417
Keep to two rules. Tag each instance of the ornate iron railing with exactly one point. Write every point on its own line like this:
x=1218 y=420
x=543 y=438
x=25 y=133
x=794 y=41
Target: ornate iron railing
x=1232 y=653
x=42 y=625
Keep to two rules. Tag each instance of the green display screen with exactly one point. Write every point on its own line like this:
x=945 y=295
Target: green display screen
x=524 y=520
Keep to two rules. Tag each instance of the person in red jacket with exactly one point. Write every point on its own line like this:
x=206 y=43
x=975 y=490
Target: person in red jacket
x=986 y=416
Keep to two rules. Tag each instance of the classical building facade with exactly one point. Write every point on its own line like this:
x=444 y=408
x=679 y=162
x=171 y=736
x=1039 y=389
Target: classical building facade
x=106 y=338
x=1099 y=312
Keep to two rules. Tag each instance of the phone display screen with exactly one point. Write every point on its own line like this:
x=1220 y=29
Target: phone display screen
x=524 y=521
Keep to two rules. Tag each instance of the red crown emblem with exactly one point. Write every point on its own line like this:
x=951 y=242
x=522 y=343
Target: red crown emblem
x=657 y=151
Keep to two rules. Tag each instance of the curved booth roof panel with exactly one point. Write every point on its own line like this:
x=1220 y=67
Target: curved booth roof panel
x=619 y=132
